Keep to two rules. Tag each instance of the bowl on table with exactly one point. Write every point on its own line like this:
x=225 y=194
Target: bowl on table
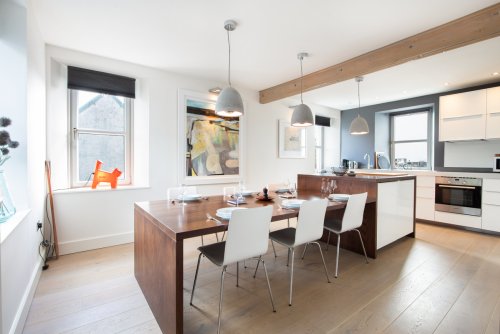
x=339 y=171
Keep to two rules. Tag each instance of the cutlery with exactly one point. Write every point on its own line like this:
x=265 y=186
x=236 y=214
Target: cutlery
x=210 y=217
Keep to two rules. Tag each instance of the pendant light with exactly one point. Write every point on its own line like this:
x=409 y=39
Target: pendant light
x=302 y=115
x=359 y=125
x=229 y=102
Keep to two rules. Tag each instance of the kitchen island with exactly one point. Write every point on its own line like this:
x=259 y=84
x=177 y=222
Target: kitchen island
x=389 y=213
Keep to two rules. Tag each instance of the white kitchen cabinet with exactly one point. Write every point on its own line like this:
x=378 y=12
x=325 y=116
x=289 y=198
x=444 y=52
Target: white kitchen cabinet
x=458 y=219
x=395 y=202
x=425 y=197
x=491 y=205
x=493 y=113
x=462 y=116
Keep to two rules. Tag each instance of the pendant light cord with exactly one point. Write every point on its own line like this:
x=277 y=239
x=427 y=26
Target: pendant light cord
x=229 y=67
x=301 y=76
x=359 y=99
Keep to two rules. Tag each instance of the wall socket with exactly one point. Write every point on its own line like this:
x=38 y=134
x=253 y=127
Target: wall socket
x=38 y=225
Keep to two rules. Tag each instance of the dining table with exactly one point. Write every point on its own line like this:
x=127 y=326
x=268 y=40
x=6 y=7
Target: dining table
x=160 y=228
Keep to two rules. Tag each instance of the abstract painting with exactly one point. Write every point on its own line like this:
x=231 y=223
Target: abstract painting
x=292 y=141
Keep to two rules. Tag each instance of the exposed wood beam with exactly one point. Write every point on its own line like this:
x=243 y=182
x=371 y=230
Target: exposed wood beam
x=478 y=26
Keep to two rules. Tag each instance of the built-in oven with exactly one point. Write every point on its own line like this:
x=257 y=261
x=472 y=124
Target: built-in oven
x=460 y=195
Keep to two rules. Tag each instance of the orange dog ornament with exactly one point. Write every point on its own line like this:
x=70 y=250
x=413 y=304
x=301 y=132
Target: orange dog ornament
x=102 y=176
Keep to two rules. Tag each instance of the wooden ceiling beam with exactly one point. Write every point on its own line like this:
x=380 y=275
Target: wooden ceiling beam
x=478 y=26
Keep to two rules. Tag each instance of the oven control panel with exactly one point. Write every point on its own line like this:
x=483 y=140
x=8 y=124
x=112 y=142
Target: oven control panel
x=463 y=181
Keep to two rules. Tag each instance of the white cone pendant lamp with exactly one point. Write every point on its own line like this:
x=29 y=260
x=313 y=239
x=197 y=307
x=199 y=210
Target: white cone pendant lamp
x=359 y=126
x=229 y=102
x=302 y=115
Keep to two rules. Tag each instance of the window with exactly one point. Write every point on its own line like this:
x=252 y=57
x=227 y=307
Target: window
x=411 y=140
x=319 y=147
x=100 y=130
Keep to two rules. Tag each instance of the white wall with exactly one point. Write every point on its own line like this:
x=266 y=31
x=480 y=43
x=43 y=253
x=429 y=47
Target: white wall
x=91 y=219
x=20 y=262
x=472 y=154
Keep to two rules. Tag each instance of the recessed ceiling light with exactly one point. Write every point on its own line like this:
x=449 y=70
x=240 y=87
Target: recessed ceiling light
x=446 y=83
x=494 y=73
x=404 y=92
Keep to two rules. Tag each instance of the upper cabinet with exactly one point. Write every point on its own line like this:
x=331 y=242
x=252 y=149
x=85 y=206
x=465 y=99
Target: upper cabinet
x=462 y=116
x=493 y=113
x=472 y=115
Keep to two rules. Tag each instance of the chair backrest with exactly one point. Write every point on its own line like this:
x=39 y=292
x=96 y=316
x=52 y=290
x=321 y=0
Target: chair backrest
x=247 y=234
x=353 y=215
x=311 y=221
x=174 y=193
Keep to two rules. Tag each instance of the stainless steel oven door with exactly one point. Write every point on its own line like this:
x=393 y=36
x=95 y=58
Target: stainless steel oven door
x=461 y=199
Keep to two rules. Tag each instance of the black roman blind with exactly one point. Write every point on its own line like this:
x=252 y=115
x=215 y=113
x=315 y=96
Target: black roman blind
x=321 y=120
x=100 y=82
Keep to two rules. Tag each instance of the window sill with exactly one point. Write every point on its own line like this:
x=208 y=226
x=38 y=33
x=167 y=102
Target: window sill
x=10 y=225
x=99 y=189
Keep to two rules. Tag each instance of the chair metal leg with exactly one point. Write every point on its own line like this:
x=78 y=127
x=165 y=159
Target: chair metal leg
x=268 y=284
x=304 y=252
x=322 y=258
x=274 y=249
x=288 y=222
x=338 y=253
x=217 y=236
x=220 y=298
x=237 y=274
x=257 y=267
x=202 y=243
x=362 y=244
x=223 y=234
x=288 y=258
x=195 y=277
x=328 y=240
x=291 y=276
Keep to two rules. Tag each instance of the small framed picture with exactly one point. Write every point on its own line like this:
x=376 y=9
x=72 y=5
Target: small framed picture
x=292 y=141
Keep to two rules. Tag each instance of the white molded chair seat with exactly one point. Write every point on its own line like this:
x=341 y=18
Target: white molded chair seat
x=351 y=221
x=247 y=237
x=309 y=229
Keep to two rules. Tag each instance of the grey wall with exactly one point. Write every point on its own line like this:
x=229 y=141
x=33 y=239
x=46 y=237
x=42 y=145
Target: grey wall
x=355 y=147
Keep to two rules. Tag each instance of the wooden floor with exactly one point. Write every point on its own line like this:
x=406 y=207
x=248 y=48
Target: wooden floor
x=444 y=281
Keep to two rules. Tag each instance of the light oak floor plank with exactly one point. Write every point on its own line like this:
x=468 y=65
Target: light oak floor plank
x=444 y=281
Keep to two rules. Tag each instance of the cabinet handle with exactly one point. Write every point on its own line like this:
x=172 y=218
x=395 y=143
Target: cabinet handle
x=462 y=117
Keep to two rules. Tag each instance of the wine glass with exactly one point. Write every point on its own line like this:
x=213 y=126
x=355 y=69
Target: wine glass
x=333 y=186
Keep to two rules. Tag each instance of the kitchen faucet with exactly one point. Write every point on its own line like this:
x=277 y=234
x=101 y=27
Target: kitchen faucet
x=367 y=157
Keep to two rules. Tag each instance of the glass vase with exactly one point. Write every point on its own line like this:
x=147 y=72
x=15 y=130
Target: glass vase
x=7 y=208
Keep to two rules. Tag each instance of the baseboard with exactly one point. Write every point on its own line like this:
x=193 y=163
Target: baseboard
x=24 y=306
x=82 y=245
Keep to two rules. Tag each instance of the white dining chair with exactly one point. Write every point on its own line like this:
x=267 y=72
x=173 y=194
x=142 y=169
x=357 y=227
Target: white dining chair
x=247 y=237
x=351 y=221
x=175 y=193
x=309 y=229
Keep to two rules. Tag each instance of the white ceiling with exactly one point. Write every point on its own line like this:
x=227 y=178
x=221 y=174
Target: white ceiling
x=187 y=37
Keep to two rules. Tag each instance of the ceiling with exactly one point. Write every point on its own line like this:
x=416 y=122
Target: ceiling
x=187 y=37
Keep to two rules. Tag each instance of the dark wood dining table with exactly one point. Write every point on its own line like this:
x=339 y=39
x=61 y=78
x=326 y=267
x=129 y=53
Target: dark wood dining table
x=160 y=228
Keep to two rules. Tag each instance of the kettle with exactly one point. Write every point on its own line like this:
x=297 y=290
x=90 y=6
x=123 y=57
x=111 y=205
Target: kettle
x=353 y=164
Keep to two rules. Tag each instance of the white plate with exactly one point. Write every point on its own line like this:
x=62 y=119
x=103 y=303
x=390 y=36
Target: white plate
x=292 y=203
x=189 y=197
x=248 y=192
x=339 y=197
x=225 y=213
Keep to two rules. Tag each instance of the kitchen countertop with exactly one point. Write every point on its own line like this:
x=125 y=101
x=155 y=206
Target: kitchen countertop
x=433 y=173
x=369 y=178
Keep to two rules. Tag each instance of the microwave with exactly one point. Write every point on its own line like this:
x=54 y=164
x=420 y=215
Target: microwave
x=496 y=164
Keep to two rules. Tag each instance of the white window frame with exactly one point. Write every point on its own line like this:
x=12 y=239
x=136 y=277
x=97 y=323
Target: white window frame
x=321 y=146
x=429 y=140
x=74 y=131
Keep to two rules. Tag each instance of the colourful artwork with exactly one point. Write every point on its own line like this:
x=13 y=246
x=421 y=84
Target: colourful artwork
x=212 y=141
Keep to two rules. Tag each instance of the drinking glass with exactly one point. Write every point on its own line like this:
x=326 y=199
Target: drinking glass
x=333 y=186
x=324 y=186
